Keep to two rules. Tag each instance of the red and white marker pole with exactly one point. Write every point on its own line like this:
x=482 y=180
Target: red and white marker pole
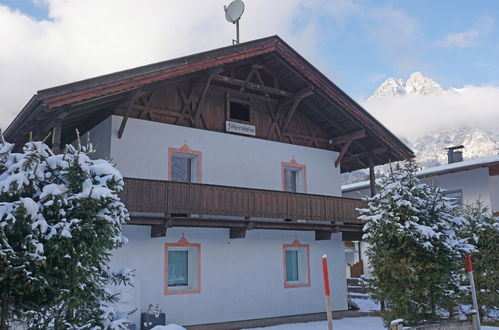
x=327 y=293
x=473 y=290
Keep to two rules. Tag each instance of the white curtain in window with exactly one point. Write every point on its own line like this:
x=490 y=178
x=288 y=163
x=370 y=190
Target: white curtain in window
x=178 y=268
x=181 y=169
x=290 y=180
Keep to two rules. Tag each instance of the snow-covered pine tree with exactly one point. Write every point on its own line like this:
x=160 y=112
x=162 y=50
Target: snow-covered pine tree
x=415 y=252
x=60 y=216
x=483 y=231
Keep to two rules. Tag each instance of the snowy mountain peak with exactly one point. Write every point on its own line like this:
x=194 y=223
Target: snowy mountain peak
x=417 y=84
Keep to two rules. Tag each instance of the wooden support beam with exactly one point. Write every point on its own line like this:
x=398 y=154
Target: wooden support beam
x=149 y=109
x=256 y=87
x=323 y=235
x=186 y=107
x=56 y=137
x=349 y=137
x=351 y=236
x=323 y=116
x=342 y=153
x=158 y=230
x=237 y=233
x=197 y=111
x=296 y=101
x=242 y=224
x=138 y=93
x=365 y=154
x=247 y=80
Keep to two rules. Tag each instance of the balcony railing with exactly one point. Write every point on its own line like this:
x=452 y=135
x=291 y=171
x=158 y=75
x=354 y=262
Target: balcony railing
x=170 y=198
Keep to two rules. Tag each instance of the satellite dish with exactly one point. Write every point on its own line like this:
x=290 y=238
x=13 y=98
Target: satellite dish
x=234 y=11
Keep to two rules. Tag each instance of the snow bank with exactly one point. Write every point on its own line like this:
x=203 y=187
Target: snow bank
x=168 y=327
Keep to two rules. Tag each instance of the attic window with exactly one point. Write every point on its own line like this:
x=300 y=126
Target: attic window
x=239 y=111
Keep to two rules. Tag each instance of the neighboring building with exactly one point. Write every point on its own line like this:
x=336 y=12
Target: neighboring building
x=232 y=162
x=466 y=181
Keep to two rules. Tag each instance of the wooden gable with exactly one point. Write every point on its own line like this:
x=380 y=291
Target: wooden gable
x=204 y=103
x=290 y=101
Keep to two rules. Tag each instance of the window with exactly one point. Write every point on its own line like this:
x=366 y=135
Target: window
x=182 y=267
x=291 y=265
x=239 y=110
x=184 y=164
x=290 y=179
x=178 y=267
x=182 y=168
x=296 y=265
x=294 y=177
x=456 y=195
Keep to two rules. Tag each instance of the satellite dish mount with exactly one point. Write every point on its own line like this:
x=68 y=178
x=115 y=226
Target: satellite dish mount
x=233 y=13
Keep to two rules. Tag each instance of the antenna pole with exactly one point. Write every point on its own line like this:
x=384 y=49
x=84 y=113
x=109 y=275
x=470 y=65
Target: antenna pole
x=237 y=31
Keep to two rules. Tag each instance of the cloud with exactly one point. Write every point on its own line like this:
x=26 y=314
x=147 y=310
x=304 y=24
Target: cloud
x=413 y=116
x=470 y=37
x=86 y=38
x=397 y=38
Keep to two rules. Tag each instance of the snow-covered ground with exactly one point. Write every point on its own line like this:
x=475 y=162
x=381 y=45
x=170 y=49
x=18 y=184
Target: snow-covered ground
x=350 y=323
x=367 y=305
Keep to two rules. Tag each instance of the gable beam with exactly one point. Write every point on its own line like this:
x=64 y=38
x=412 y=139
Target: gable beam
x=197 y=110
x=296 y=101
x=248 y=78
x=349 y=137
x=138 y=93
x=365 y=154
x=186 y=108
x=323 y=116
x=257 y=87
x=342 y=153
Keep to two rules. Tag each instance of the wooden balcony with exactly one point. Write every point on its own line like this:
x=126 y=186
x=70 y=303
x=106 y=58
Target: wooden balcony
x=163 y=204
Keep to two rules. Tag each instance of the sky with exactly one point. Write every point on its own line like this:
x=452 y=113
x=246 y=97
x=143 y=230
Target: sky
x=357 y=44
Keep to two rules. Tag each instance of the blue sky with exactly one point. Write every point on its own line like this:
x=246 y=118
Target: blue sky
x=361 y=58
x=358 y=44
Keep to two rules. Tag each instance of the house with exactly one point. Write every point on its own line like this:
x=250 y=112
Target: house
x=467 y=181
x=232 y=162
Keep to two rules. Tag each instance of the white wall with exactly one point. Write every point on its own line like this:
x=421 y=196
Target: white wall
x=227 y=159
x=494 y=193
x=473 y=183
x=240 y=279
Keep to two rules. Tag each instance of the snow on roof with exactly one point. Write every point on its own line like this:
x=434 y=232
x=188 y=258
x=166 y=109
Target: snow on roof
x=437 y=170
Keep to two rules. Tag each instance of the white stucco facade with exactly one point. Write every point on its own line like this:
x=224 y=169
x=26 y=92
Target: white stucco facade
x=240 y=278
x=227 y=159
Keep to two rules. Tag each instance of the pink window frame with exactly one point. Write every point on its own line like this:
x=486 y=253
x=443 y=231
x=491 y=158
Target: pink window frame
x=185 y=149
x=183 y=242
x=294 y=164
x=296 y=244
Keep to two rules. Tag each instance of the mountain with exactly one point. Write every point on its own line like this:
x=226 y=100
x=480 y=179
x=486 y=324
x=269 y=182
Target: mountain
x=477 y=142
x=417 y=84
x=429 y=148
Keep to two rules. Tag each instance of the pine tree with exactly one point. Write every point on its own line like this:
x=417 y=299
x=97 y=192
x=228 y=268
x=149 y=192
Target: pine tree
x=483 y=231
x=60 y=216
x=414 y=252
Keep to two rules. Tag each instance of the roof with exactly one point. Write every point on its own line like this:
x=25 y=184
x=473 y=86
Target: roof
x=86 y=101
x=465 y=165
